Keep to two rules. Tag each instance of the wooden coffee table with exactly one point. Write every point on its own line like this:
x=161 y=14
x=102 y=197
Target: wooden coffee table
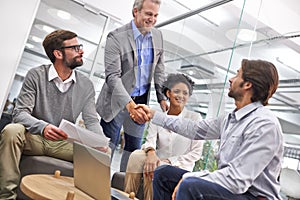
x=47 y=186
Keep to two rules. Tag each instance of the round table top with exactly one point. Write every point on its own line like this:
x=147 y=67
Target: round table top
x=47 y=186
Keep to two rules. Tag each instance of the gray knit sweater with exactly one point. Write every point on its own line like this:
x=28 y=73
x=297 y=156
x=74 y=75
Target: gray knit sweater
x=41 y=103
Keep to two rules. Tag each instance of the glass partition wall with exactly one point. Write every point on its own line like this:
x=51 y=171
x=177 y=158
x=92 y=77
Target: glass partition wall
x=204 y=39
x=208 y=43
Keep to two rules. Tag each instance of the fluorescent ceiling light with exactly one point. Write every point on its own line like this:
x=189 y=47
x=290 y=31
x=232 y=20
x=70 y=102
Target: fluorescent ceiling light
x=247 y=35
x=191 y=72
x=36 y=39
x=63 y=15
x=44 y=28
x=30 y=46
x=244 y=35
x=48 y=29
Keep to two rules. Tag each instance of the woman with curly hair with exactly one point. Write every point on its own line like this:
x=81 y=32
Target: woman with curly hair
x=163 y=146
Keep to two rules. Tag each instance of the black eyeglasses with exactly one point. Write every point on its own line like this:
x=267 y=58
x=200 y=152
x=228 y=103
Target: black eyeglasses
x=75 y=47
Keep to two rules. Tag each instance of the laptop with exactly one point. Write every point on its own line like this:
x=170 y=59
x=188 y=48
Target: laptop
x=92 y=173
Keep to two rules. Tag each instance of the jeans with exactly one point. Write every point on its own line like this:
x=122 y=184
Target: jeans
x=167 y=177
x=133 y=134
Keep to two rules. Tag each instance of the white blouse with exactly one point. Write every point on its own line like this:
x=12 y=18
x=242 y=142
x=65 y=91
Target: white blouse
x=180 y=151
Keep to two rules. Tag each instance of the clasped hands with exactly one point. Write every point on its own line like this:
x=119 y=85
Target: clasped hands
x=140 y=113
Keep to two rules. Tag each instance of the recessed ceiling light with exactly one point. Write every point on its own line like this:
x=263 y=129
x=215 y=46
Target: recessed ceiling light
x=45 y=28
x=63 y=14
x=36 y=39
x=30 y=46
x=244 y=35
x=48 y=29
x=247 y=35
x=190 y=72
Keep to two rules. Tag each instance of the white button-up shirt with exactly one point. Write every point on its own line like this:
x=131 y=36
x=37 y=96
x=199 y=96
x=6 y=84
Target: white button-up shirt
x=180 y=151
x=63 y=86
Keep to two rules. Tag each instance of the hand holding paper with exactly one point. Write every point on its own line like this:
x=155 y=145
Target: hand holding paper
x=82 y=135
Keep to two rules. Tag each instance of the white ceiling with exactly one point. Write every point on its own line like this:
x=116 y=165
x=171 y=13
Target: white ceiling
x=203 y=41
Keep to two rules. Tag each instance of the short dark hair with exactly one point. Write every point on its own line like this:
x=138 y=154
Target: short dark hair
x=174 y=79
x=139 y=4
x=55 y=40
x=264 y=78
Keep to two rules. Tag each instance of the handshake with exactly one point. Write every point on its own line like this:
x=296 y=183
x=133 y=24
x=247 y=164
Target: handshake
x=140 y=113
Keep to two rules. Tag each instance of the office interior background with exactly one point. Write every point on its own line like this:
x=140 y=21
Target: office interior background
x=204 y=39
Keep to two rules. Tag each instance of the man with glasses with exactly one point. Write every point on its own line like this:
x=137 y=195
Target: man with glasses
x=76 y=48
x=133 y=55
x=49 y=94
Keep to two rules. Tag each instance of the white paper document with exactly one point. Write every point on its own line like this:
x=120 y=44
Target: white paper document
x=82 y=135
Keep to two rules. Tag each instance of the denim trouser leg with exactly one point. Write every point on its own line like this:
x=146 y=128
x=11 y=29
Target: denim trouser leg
x=191 y=188
x=133 y=134
x=112 y=130
x=196 y=188
x=165 y=180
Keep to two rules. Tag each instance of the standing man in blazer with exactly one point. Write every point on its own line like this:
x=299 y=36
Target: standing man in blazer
x=133 y=56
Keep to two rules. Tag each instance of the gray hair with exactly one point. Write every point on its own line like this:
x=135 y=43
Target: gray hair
x=139 y=4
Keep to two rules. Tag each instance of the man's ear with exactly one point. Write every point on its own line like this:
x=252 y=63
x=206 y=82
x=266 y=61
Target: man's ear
x=58 y=54
x=135 y=11
x=248 y=85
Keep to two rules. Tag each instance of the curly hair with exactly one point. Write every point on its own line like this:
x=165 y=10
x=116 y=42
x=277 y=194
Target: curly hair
x=174 y=79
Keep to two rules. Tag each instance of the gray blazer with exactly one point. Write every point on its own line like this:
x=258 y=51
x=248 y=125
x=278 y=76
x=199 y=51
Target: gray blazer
x=121 y=66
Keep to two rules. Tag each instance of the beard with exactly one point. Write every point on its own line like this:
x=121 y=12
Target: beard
x=73 y=63
x=236 y=94
x=232 y=94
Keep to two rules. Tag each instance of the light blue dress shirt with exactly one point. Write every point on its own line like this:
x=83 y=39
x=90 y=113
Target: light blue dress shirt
x=145 y=60
x=250 y=152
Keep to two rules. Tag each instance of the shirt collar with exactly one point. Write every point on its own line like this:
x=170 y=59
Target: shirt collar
x=239 y=114
x=137 y=33
x=53 y=74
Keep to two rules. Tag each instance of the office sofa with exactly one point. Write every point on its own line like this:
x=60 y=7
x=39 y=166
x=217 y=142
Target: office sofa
x=6 y=118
